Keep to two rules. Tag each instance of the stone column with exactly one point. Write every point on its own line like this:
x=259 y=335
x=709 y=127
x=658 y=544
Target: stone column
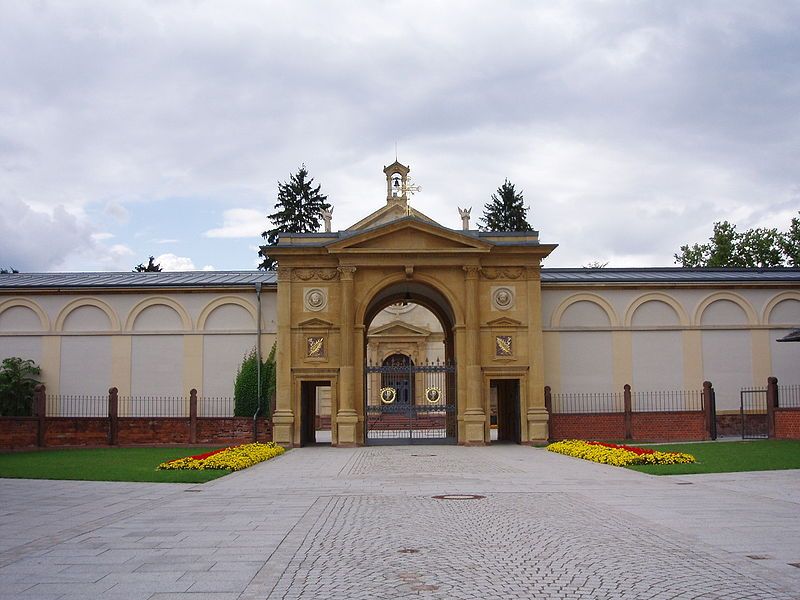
x=346 y=417
x=474 y=415
x=283 y=417
x=537 y=414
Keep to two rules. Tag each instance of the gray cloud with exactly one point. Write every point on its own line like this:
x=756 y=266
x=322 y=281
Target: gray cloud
x=32 y=241
x=631 y=127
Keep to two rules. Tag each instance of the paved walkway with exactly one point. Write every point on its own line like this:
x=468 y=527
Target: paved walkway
x=363 y=523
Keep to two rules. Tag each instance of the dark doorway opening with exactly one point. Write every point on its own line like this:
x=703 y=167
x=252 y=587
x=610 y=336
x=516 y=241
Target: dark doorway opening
x=508 y=419
x=401 y=379
x=313 y=416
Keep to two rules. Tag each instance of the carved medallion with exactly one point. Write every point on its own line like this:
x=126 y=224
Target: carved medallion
x=316 y=347
x=503 y=298
x=315 y=299
x=503 y=345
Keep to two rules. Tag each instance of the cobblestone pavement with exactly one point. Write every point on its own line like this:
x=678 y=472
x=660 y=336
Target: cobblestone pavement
x=364 y=523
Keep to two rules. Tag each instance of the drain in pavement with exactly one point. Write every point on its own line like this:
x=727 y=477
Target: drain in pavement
x=458 y=497
x=685 y=483
x=757 y=557
x=408 y=551
x=425 y=455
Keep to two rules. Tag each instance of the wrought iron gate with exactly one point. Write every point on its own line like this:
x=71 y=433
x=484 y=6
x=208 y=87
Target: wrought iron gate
x=754 y=413
x=410 y=404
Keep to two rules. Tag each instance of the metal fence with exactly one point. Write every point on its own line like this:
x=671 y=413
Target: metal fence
x=76 y=406
x=614 y=402
x=667 y=401
x=218 y=407
x=611 y=402
x=86 y=406
x=789 y=396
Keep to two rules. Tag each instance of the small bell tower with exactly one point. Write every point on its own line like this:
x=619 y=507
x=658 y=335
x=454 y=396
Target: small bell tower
x=397 y=184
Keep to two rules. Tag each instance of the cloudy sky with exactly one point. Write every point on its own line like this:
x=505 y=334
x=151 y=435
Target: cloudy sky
x=131 y=128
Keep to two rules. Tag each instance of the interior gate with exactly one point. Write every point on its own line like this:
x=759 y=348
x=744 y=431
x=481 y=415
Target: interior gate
x=410 y=404
x=754 y=413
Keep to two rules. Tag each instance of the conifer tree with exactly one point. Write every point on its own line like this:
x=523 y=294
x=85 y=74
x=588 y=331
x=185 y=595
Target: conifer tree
x=506 y=211
x=297 y=211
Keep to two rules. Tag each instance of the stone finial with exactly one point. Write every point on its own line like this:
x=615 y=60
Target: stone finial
x=464 y=212
x=327 y=215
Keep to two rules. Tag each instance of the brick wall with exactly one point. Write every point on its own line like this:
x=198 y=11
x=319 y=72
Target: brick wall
x=21 y=432
x=649 y=426
x=668 y=426
x=18 y=432
x=604 y=426
x=164 y=430
x=234 y=430
x=787 y=423
x=73 y=431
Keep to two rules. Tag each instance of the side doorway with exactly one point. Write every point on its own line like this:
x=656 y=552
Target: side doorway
x=507 y=411
x=315 y=412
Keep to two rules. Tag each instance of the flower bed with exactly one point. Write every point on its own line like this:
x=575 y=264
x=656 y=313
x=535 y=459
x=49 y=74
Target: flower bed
x=618 y=455
x=234 y=458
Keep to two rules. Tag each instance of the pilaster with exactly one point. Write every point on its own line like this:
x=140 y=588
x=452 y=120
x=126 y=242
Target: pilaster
x=283 y=417
x=346 y=417
x=535 y=414
x=474 y=415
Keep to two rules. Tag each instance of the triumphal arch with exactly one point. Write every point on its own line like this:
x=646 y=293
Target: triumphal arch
x=484 y=289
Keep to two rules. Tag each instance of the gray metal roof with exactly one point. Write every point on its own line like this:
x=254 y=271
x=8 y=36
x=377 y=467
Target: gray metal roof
x=211 y=279
x=177 y=279
x=670 y=275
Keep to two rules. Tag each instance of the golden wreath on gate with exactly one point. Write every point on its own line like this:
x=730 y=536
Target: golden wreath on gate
x=433 y=394
x=388 y=395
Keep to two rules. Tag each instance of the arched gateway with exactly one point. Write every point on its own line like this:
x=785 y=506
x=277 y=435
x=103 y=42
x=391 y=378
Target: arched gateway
x=484 y=288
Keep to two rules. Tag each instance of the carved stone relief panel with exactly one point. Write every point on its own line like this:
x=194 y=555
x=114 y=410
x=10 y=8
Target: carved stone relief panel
x=315 y=299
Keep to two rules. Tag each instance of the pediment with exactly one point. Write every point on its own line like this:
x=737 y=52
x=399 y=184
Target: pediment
x=504 y=322
x=315 y=323
x=399 y=328
x=409 y=235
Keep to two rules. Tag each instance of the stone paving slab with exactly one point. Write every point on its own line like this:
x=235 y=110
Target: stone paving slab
x=361 y=523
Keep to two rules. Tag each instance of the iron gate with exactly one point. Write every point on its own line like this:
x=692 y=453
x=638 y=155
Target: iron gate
x=754 y=413
x=408 y=403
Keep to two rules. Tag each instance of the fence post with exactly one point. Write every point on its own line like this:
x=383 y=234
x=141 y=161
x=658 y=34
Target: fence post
x=626 y=395
x=548 y=399
x=113 y=416
x=193 y=416
x=710 y=409
x=40 y=411
x=772 y=404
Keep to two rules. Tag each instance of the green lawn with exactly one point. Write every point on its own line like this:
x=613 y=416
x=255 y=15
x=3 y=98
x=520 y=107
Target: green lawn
x=104 y=464
x=729 y=457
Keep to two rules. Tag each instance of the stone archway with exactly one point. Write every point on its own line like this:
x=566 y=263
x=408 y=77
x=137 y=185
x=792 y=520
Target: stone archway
x=407 y=402
x=484 y=287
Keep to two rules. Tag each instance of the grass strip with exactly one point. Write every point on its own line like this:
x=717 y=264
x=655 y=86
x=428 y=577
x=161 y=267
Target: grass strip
x=105 y=464
x=729 y=457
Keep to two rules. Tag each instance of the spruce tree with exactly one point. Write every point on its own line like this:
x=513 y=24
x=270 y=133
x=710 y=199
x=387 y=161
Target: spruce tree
x=297 y=211
x=506 y=211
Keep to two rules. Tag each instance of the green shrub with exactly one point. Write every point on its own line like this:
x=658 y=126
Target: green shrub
x=245 y=388
x=18 y=378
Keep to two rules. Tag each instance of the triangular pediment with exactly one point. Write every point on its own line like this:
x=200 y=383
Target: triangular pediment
x=504 y=322
x=398 y=328
x=409 y=235
x=386 y=214
x=315 y=323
